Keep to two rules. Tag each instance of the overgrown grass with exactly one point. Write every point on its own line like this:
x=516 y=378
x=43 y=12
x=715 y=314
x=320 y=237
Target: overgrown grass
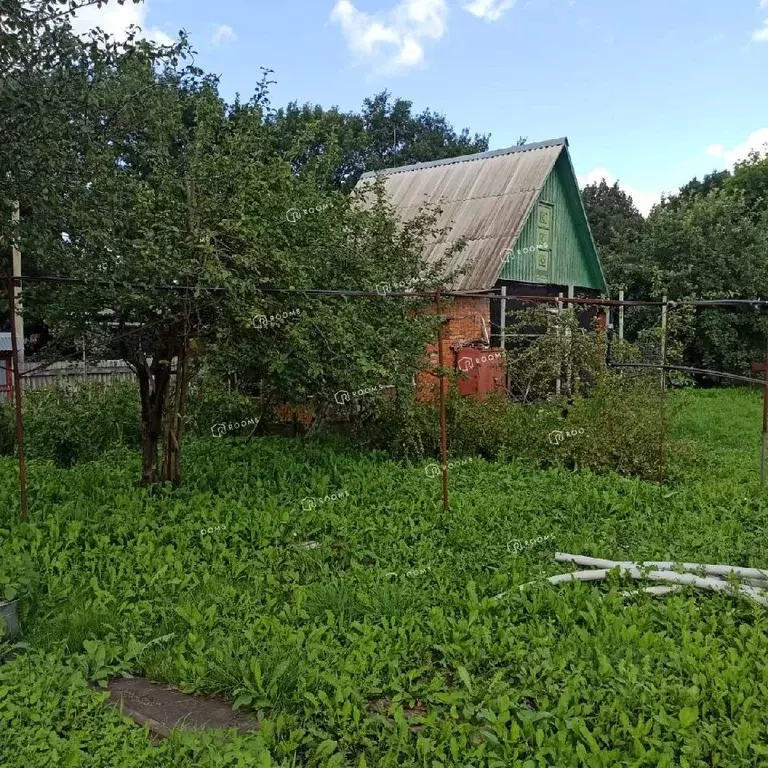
x=352 y=661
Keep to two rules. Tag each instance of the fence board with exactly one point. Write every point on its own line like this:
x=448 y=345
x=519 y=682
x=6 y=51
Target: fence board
x=64 y=372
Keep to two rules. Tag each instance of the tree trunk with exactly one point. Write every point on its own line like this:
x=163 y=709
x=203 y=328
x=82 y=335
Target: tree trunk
x=175 y=421
x=153 y=386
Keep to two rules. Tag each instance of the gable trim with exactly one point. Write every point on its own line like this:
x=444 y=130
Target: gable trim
x=591 y=242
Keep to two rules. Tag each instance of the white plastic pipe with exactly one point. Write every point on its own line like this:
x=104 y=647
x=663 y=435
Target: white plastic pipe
x=710 y=570
x=711 y=583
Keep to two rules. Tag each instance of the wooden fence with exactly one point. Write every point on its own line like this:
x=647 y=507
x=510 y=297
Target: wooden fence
x=35 y=376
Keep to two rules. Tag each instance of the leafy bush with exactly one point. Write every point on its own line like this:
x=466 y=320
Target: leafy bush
x=212 y=401
x=69 y=423
x=546 y=345
x=621 y=419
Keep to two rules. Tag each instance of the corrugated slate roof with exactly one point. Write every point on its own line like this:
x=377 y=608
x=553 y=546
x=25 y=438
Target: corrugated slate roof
x=485 y=198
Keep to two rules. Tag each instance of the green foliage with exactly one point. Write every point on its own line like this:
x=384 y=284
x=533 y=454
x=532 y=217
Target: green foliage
x=213 y=401
x=617 y=228
x=80 y=422
x=620 y=419
x=67 y=423
x=350 y=662
x=708 y=241
x=334 y=148
x=561 y=346
x=205 y=200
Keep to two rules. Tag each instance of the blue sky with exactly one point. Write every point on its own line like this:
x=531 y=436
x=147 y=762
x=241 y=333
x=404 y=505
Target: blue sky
x=650 y=93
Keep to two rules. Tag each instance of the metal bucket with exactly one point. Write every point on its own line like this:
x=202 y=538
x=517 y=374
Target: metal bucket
x=9 y=619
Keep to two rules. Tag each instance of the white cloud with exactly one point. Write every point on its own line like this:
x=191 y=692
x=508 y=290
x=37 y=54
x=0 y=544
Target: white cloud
x=761 y=35
x=116 y=19
x=490 y=10
x=223 y=32
x=643 y=200
x=755 y=141
x=393 y=40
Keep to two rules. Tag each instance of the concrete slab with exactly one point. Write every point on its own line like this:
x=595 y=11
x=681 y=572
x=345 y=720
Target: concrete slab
x=164 y=708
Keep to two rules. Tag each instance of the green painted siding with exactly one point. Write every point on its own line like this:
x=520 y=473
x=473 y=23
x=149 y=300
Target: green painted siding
x=569 y=259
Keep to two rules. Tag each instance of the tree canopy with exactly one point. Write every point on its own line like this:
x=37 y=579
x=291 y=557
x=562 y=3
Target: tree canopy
x=710 y=240
x=169 y=211
x=338 y=147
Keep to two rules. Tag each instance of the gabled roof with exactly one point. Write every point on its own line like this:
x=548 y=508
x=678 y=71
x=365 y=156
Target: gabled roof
x=486 y=198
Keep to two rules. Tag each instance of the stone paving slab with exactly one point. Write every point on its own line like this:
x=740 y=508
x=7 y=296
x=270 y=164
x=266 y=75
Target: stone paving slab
x=164 y=707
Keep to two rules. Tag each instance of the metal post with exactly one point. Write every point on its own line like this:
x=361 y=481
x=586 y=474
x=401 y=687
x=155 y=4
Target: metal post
x=17 y=398
x=503 y=320
x=503 y=336
x=16 y=318
x=559 y=358
x=764 y=451
x=621 y=315
x=663 y=342
x=569 y=362
x=443 y=434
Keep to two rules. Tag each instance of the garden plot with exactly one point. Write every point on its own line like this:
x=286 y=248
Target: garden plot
x=342 y=664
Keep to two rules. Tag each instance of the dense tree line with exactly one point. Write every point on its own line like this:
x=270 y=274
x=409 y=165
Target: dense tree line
x=710 y=240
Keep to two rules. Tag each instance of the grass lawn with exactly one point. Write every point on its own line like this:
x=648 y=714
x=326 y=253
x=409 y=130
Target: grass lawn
x=381 y=644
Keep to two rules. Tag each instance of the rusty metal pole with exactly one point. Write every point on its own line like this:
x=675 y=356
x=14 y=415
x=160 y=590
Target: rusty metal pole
x=443 y=434
x=664 y=342
x=764 y=450
x=17 y=398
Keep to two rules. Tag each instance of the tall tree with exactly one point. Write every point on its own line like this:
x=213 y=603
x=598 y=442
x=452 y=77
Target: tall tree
x=695 y=188
x=714 y=245
x=617 y=227
x=338 y=147
x=172 y=191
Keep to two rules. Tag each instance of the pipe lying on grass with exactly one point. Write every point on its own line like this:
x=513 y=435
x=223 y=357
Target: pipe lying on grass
x=743 y=574
x=671 y=577
x=754 y=588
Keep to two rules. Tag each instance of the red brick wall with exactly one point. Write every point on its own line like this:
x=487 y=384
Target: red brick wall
x=464 y=327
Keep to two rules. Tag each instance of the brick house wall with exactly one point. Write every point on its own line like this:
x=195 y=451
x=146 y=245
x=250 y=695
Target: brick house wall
x=465 y=327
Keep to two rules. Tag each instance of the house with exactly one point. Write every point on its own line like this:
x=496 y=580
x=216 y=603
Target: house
x=520 y=211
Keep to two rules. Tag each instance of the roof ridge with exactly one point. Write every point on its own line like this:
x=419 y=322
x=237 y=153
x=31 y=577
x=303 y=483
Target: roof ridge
x=561 y=142
x=481 y=197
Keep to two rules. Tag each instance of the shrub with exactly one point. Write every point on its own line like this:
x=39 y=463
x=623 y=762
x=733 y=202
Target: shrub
x=617 y=426
x=543 y=345
x=68 y=423
x=212 y=401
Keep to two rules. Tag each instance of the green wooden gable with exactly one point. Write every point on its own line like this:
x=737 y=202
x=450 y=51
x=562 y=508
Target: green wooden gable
x=555 y=245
